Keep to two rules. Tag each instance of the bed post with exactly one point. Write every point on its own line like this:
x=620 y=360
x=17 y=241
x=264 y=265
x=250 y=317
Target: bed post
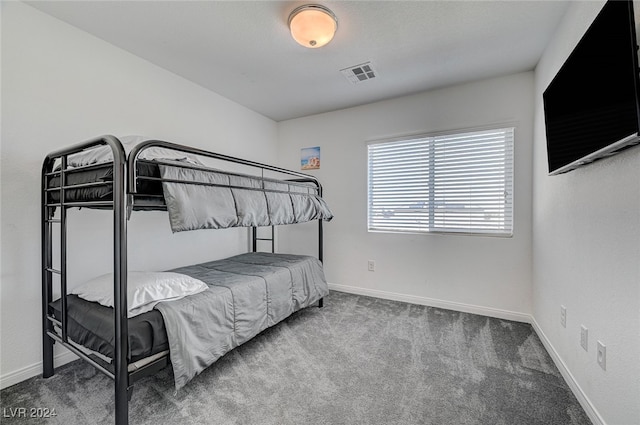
x=254 y=238
x=320 y=243
x=320 y=252
x=47 y=342
x=121 y=374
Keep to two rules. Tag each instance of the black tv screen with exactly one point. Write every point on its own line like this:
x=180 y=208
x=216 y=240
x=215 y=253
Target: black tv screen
x=591 y=106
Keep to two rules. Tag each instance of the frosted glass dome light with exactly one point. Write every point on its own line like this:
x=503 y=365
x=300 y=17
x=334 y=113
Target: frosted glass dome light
x=312 y=25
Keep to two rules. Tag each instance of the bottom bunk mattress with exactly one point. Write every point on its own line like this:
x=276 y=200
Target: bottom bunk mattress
x=91 y=325
x=247 y=294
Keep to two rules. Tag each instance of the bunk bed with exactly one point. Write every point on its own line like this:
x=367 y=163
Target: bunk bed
x=125 y=332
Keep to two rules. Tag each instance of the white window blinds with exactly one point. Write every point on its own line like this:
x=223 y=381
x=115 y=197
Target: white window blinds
x=457 y=183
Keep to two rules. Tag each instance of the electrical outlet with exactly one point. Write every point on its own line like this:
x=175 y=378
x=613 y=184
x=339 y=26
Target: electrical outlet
x=371 y=266
x=584 y=338
x=563 y=316
x=602 y=355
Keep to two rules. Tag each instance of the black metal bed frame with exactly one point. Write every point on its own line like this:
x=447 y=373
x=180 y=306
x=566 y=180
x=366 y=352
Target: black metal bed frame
x=125 y=191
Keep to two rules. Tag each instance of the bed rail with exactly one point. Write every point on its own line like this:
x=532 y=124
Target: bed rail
x=140 y=148
x=125 y=190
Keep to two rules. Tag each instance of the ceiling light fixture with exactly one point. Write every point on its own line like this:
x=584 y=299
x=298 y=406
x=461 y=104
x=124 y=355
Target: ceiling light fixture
x=312 y=25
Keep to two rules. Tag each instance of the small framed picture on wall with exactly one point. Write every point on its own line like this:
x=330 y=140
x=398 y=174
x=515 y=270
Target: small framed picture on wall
x=310 y=158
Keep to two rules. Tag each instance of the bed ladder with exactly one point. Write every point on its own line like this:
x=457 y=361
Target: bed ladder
x=49 y=270
x=255 y=238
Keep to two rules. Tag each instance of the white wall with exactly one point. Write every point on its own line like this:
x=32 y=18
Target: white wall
x=487 y=275
x=586 y=248
x=61 y=86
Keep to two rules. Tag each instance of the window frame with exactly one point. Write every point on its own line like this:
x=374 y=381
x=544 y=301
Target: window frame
x=509 y=182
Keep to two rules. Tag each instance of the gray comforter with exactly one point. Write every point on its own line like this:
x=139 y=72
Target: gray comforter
x=247 y=294
x=216 y=200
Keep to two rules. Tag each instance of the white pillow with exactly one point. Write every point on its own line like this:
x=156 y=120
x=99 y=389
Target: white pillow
x=102 y=154
x=144 y=289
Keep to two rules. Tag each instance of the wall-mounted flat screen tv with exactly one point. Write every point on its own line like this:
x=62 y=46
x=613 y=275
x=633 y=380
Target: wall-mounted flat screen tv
x=591 y=107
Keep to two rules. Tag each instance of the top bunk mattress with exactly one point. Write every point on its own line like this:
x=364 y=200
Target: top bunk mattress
x=150 y=190
x=195 y=195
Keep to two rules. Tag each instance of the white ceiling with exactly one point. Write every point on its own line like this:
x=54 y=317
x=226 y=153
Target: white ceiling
x=242 y=49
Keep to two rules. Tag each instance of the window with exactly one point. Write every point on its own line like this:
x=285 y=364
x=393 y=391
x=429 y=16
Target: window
x=453 y=183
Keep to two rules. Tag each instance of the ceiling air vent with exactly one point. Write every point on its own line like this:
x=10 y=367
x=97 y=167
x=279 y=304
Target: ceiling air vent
x=359 y=73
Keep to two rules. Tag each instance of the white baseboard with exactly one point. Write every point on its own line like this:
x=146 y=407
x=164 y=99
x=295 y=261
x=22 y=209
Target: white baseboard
x=432 y=302
x=584 y=401
x=35 y=369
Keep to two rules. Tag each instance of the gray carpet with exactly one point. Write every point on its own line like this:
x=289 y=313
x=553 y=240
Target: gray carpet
x=359 y=360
